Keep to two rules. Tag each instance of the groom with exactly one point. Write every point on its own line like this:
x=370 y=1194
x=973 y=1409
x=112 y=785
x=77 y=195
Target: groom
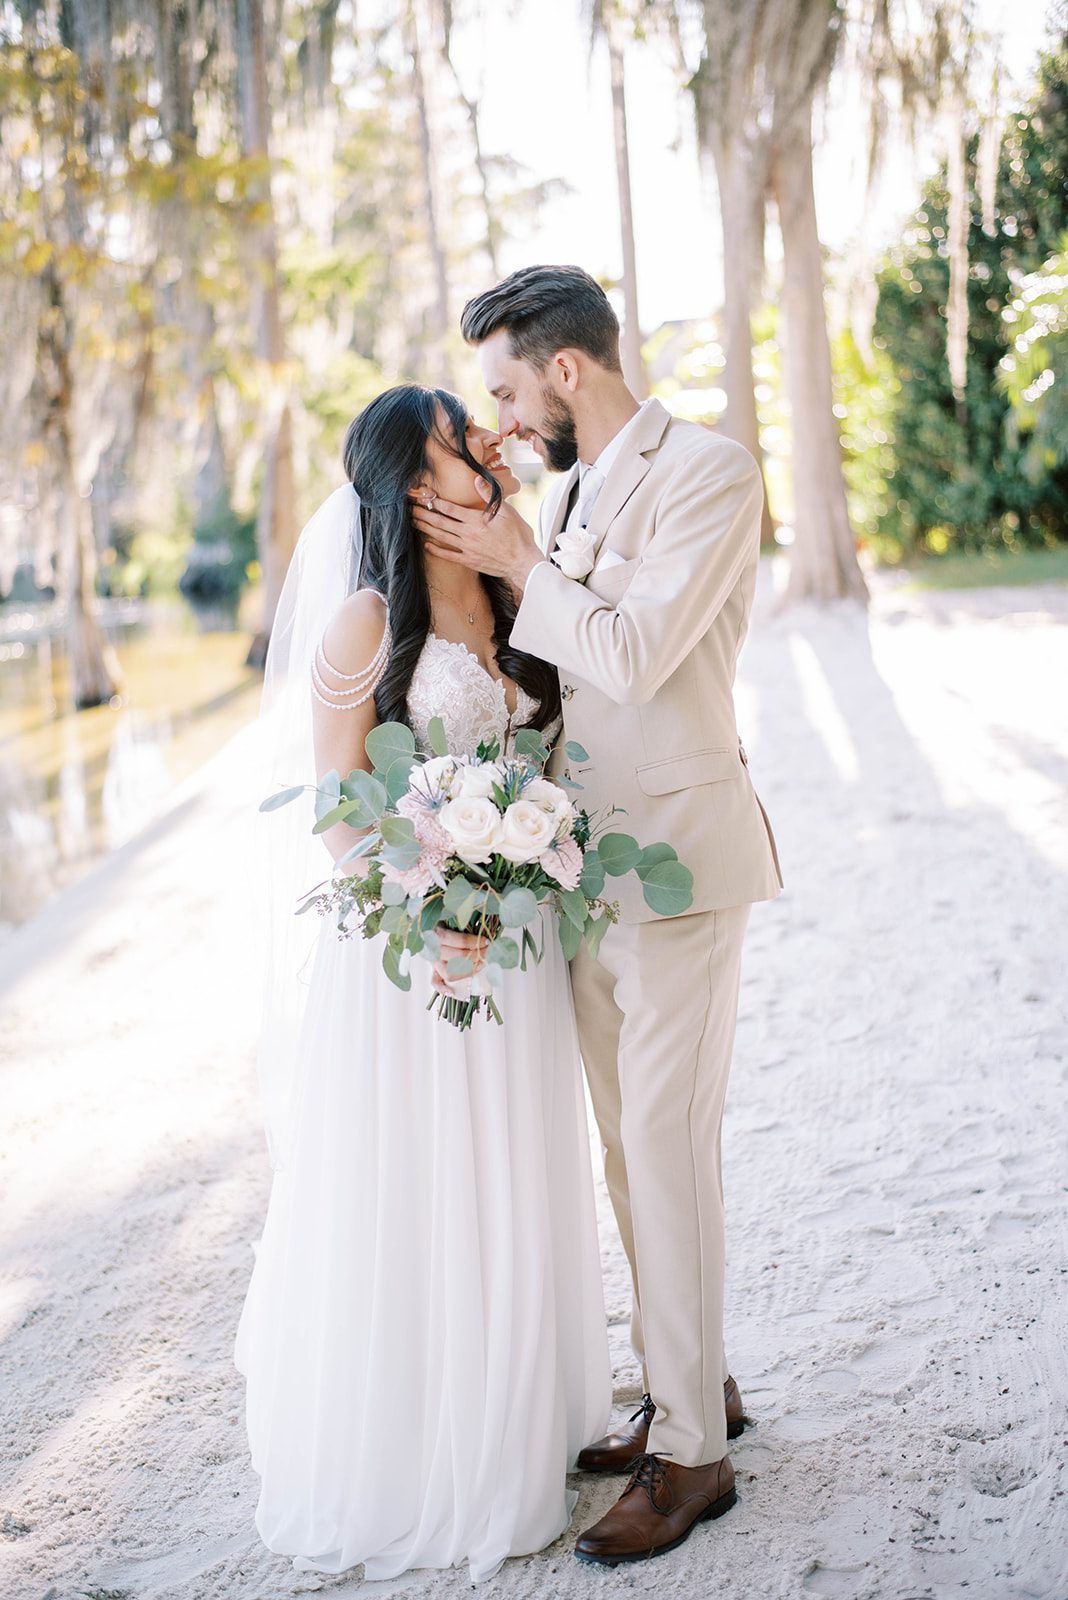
x=639 y=590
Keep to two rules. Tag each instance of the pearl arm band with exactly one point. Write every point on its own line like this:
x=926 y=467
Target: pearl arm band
x=365 y=682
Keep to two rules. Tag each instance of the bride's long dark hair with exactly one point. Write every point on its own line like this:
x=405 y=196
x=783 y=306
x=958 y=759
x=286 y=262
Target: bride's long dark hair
x=385 y=456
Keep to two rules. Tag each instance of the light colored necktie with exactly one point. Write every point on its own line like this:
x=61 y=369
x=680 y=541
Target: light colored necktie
x=591 y=483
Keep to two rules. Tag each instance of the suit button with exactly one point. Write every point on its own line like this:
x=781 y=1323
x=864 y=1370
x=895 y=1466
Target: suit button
x=566 y=691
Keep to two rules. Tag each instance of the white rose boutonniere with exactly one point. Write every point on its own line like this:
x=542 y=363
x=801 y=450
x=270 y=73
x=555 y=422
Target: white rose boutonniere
x=574 y=553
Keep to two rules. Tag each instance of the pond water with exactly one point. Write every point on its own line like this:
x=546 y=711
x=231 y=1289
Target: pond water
x=74 y=785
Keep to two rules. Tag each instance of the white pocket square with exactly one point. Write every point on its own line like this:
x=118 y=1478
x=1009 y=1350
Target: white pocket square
x=611 y=558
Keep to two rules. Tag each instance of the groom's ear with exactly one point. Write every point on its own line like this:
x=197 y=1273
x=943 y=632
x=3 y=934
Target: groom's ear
x=565 y=370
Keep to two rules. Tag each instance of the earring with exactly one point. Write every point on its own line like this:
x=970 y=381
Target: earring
x=430 y=503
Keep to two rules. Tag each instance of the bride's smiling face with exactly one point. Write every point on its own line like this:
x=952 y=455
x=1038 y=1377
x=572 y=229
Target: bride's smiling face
x=452 y=478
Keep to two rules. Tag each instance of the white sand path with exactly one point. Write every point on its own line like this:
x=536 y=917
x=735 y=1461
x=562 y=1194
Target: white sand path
x=895 y=1162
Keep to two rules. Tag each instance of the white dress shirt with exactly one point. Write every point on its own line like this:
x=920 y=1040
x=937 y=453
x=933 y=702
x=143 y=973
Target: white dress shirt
x=593 y=474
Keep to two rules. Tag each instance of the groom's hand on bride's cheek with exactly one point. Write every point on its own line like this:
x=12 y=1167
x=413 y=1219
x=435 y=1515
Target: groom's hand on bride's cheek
x=501 y=546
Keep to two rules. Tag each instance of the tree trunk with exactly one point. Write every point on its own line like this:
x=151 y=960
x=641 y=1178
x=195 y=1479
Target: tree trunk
x=94 y=667
x=823 y=559
x=631 y=341
x=742 y=181
x=957 y=232
x=421 y=27
x=493 y=227
x=276 y=530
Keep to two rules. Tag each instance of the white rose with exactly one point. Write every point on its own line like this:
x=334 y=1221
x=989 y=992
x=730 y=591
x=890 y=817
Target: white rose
x=574 y=553
x=437 y=773
x=549 y=796
x=474 y=780
x=474 y=826
x=526 y=832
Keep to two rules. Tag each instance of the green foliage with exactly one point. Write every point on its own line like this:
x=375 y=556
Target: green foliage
x=1034 y=374
x=963 y=477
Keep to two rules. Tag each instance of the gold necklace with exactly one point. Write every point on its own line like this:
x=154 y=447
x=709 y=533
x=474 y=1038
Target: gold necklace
x=449 y=601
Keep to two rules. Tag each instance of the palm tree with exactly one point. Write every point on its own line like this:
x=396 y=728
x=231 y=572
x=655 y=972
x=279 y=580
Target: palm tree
x=608 y=19
x=276 y=524
x=763 y=64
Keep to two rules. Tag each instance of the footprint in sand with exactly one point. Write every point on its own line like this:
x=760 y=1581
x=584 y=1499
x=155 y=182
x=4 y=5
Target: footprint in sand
x=833 y=1580
x=1000 y=1477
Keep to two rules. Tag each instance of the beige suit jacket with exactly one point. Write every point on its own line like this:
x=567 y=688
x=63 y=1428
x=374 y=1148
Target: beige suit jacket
x=646 y=649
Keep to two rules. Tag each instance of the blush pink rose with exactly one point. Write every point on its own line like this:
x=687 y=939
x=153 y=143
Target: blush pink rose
x=563 y=863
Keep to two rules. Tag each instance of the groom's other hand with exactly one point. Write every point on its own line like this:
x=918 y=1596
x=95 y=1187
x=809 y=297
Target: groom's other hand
x=501 y=546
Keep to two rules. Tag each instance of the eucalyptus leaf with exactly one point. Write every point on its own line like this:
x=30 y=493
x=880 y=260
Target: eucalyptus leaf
x=668 y=888
x=435 y=737
x=397 y=830
x=518 y=906
x=391 y=966
x=327 y=793
x=653 y=855
x=431 y=945
x=394 y=919
x=573 y=902
x=388 y=741
x=367 y=789
x=494 y=974
x=281 y=798
x=529 y=742
x=570 y=938
x=530 y=945
x=618 y=853
x=594 y=932
x=397 y=778
x=461 y=901
x=401 y=856
x=360 y=849
x=568 y=783
x=575 y=752
x=503 y=952
x=460 y=967
x=393 y=894
x=339 y=813
x=591 y=881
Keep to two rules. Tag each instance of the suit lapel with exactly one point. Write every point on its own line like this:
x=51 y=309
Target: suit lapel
x=560 y=509
x=628 y=469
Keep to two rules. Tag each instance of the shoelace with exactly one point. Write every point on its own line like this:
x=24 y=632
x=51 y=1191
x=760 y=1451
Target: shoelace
x=649 y=1474
x=647 y=1408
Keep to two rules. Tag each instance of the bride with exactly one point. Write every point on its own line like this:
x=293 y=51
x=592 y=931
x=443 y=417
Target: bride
x=423 y=1339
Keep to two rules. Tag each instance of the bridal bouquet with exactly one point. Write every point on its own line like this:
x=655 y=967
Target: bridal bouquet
x=477 y=843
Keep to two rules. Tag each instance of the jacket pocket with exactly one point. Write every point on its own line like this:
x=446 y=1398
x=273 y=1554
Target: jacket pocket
x=683 y=772
x=613 y=581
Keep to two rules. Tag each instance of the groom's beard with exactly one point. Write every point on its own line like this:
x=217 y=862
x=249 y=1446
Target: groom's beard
x=558 y=432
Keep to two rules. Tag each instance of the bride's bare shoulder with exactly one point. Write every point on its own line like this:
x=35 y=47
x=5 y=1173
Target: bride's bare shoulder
x=355 y=632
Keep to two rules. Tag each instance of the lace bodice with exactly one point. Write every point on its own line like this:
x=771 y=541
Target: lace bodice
x=451 y=683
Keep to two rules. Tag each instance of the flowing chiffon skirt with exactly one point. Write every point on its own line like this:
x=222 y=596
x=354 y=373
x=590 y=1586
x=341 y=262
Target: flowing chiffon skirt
x=423 y=1338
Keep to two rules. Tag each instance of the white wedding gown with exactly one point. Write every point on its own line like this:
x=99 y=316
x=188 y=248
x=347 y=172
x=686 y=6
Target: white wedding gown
x=423 y=1338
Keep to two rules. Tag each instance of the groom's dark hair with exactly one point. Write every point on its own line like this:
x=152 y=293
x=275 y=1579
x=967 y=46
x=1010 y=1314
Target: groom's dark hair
x=546 y=309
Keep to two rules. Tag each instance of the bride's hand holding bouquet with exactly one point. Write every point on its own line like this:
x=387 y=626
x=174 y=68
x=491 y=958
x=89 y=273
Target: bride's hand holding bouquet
x=473 y=847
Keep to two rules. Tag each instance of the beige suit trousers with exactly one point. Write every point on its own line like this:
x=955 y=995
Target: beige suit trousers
x=656 y=1015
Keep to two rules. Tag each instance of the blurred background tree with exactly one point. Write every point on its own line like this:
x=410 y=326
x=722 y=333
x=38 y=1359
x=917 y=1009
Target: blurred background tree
x=967 y=470
x=227 y=224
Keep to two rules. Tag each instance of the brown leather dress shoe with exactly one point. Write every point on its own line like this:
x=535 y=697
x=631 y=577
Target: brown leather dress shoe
x=733 y=1403
x=618 y=1452
x=659 y=1508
